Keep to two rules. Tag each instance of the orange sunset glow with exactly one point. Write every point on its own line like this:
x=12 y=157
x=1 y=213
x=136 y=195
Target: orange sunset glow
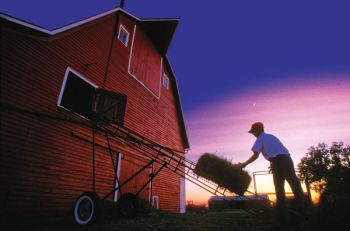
x=301 y=114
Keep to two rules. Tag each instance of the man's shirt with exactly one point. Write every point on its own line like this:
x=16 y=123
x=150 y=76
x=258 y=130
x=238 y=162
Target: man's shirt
x=269 y=145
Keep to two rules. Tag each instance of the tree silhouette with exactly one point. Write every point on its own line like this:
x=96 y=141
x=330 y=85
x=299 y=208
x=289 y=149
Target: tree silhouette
x=327 y=168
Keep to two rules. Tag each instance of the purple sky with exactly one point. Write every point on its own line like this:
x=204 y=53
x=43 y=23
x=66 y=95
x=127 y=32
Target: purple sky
x=224 y=47
x=300 y=114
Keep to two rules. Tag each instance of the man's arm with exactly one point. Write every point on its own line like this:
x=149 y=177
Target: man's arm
x=250 y=160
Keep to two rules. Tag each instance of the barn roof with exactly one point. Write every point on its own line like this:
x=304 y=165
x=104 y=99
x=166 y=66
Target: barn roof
x=160 y=30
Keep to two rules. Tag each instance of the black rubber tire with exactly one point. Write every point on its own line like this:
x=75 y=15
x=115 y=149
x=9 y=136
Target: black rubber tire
x=86 y=208
x=128 y=205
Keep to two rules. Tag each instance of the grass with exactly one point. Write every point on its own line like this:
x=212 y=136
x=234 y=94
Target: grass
x=159 y=221
x=313 y=218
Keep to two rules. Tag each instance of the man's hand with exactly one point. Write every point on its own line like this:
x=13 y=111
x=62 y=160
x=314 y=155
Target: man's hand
x=270 y=169
x=241 y=165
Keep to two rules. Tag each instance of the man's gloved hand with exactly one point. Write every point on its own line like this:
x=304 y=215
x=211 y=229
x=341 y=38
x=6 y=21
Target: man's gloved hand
x=270 y=169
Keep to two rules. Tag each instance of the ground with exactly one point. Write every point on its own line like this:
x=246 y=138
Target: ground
x=159 y=221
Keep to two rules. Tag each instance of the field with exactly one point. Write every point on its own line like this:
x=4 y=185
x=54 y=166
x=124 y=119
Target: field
x=160 y=221
x=230 y=220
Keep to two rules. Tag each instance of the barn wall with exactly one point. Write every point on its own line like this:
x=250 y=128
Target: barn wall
x=43 y=167
x=145 y=114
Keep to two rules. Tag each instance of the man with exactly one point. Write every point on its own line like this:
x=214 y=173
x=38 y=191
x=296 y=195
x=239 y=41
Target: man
x=281 y=165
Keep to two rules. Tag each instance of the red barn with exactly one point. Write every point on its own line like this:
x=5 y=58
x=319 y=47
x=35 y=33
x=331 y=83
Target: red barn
x=49 y=82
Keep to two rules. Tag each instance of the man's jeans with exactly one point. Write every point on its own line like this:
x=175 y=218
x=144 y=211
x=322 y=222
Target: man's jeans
x=283 y=169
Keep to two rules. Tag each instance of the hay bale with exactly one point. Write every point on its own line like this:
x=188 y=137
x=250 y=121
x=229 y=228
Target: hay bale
x=222 y=172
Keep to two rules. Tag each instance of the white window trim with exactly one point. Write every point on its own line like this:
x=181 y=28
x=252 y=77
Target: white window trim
x=70 y=69
x=121 y=27
x=153 y=200
x=135 y=77
x=166 y=77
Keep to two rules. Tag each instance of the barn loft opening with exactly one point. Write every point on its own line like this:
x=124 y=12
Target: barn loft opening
x=82 y=97
x=77 y=94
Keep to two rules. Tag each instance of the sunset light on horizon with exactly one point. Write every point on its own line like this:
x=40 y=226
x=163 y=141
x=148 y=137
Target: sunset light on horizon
x=301 y=114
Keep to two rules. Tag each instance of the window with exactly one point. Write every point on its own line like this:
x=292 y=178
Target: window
x=165 y=81
x=155 y=202
x=82 y=97
x=123 y=35
x=76 y=94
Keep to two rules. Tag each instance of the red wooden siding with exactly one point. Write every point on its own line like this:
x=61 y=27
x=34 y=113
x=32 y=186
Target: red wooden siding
x=43 y=168
x=130 y=166
x=146 y=62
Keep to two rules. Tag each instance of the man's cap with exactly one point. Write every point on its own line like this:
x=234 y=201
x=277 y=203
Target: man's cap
x=256 y=126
